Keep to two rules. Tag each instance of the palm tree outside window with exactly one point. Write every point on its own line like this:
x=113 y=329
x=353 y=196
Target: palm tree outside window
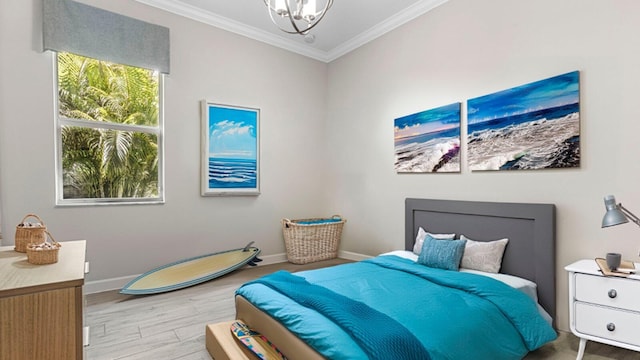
x=109 y=133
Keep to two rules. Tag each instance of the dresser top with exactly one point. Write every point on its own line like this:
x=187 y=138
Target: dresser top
x=589 y=266
x=19 y=276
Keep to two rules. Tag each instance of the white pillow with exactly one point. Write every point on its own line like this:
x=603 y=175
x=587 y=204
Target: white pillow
x=417 y=247
x=483 y=255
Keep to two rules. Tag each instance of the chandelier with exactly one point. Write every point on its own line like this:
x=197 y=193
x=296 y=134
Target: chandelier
x=296 y=16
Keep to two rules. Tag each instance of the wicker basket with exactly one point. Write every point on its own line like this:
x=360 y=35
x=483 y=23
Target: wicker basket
x=310 y=240
x=43 y=253
x=26 y=235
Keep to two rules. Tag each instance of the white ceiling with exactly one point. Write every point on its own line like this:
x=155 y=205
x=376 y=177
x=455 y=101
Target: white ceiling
x=347 y=25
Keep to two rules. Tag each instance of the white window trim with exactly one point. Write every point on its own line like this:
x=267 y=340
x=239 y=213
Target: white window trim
x=61 y=121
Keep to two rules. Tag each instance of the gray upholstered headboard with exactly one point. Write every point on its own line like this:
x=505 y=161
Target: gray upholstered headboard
x=530 y=253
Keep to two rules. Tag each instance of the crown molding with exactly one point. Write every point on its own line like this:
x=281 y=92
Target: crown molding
x=416 y=10
x=197 y=14
x=209 y=18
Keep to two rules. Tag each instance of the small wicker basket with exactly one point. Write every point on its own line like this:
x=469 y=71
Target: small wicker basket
x=43 y=253
x=27 y=234
x=310 y=240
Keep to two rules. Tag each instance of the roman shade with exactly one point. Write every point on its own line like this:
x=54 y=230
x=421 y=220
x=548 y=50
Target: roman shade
x=88 y=31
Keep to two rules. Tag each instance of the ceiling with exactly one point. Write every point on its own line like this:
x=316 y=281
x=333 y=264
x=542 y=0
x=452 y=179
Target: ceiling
x=348 y=24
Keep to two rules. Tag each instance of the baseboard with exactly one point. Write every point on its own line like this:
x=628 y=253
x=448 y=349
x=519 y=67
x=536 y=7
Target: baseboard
x=352 y=256
x=97 y=286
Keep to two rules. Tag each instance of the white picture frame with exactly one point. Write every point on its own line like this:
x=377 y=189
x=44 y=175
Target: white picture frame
x=230 y=150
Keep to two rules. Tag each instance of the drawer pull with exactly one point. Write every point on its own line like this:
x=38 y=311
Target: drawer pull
x=613 y=293
x=611 y=326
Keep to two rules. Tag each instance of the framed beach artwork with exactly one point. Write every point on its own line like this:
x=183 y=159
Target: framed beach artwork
x=230 y=160
x=532 y=126
x=428 y=141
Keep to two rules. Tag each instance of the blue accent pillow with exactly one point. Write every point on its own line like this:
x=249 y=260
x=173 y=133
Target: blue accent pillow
x=442 y=254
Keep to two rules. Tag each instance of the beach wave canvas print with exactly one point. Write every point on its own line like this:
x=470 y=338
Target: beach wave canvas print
x=533 y=126
x=230 y=150
x=428 y=141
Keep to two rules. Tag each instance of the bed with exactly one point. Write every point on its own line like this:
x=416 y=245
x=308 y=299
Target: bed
x=303 y=332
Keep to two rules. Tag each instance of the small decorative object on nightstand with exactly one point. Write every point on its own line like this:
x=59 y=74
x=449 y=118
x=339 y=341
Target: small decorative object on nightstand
x=602 y=308
x=613 y=260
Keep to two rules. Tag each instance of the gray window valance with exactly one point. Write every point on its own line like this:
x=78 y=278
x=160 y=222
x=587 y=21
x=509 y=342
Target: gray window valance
x=88 y=31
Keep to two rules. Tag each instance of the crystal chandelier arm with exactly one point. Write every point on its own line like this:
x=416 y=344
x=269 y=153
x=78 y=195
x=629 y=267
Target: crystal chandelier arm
x=292 y=20
x=276 y=9
x=317 y=19
x=288 y=15
x=268 y=5
x=321 y=14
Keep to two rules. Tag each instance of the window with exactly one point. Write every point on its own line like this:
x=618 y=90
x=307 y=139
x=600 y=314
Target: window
x=108 y=133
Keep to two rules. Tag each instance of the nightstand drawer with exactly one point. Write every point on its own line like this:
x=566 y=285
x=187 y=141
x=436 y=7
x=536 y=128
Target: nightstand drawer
x=615 y=292
x=618 y=325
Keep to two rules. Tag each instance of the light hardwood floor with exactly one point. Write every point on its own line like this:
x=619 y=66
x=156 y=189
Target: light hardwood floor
x=171 y=326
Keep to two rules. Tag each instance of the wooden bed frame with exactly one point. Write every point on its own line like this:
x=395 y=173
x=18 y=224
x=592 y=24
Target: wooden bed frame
x=530 y=253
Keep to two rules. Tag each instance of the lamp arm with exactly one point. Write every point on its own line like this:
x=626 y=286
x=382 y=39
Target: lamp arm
x=629 y=214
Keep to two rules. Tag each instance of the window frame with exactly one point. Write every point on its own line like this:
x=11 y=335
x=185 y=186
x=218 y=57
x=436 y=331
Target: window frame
x=61 y=121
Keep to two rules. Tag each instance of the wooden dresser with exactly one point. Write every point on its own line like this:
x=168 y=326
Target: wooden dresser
x=41 y=306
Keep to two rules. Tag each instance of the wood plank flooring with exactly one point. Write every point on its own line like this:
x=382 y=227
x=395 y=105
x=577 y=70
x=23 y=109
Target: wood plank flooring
x=171 y=326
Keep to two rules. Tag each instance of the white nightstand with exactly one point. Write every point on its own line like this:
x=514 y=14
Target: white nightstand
x=605 y=309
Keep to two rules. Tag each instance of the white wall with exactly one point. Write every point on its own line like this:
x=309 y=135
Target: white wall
x=468 y=48
x=206 y=63
x=331 y=149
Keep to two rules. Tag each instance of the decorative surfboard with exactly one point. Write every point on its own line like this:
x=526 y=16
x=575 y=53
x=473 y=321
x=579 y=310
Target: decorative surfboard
x=255 y=342
x=191 y=271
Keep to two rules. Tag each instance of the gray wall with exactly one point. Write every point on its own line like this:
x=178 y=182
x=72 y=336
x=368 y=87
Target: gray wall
x=468 y=48
x=331 y=149
x=207 y=63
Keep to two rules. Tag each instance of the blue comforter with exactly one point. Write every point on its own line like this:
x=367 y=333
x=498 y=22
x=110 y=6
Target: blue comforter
x=453 y=315
x=361 y=321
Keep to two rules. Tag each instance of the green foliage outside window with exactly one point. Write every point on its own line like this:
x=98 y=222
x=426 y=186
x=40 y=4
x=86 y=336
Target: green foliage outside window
x=109 y=129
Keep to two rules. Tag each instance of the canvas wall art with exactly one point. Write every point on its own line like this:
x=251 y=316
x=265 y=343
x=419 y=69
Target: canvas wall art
x=230 y=150
x=428 y=141
x=532 y=126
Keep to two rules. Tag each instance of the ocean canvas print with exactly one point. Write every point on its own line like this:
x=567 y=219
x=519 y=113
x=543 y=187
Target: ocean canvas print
x=532 y=126
x=428 y=141
x=230 y=150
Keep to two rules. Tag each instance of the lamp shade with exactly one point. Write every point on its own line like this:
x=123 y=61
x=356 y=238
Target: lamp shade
x=613 y=216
